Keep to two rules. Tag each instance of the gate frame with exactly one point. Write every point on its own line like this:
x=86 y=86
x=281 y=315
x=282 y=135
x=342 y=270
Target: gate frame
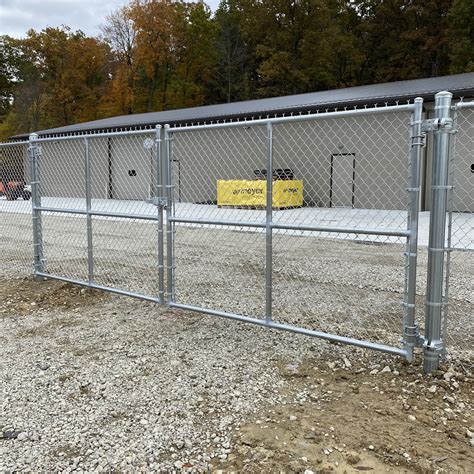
x=37 y=210
x=410 y=337
x=443 y=350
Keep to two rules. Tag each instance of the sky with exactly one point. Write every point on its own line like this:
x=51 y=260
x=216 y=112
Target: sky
x=18 y=16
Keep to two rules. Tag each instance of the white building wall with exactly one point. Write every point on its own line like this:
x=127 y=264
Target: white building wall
x=379 y=142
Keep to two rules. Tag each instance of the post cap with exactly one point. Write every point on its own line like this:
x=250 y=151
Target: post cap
x=443 y=94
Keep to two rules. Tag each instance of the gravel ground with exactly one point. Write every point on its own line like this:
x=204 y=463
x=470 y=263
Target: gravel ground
x=96 y=382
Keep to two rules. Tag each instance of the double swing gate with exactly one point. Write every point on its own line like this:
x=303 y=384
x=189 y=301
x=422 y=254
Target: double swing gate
x=137 y=215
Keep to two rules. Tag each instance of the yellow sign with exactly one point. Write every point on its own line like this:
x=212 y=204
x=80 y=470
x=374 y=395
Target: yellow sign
x=246 y=192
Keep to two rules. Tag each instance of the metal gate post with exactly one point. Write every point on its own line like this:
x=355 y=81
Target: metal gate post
x=169 y=211
x=161 y=202
x=410 y=330
x=442 y=128
x=90 y=245
x=268 y=226
x=38 y=256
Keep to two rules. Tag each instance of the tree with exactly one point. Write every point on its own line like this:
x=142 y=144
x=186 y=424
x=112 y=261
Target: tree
x=196 y=54
x=231 y=80
x=120 y=34
x=165 y=54
x=461 y=36
x=403 y=39
x=10 y=64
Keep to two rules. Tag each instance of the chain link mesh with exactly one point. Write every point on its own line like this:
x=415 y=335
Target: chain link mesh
x=16 y=244
x=353 y=172
x=458 y=322
x=84 y=177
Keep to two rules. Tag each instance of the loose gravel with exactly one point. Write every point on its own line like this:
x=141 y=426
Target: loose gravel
x=93 y=382
x=96 y=382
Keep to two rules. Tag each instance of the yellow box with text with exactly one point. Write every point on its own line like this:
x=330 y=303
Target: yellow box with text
x=247 y=192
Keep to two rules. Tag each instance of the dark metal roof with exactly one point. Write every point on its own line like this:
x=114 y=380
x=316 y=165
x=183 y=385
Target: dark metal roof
x=460 y=85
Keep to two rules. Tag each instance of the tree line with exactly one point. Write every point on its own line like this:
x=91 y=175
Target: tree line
x=156 y=55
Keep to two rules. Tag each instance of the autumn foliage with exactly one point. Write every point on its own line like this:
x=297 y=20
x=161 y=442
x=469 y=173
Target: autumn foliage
x=160 y=54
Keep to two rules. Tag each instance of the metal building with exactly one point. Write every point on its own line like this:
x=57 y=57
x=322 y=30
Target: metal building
x=334 y=175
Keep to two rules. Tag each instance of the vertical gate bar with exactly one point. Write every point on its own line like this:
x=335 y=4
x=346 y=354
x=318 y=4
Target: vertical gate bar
x=38 y=258
x=90 y=250
x=445 y=308
x=433 y=345
x=160 y=197
x=268 y=223
x=410 y=330
x=169 y=210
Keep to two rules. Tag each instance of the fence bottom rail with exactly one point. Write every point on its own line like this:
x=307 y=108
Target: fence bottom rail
x=294 y=329
x=99 y=287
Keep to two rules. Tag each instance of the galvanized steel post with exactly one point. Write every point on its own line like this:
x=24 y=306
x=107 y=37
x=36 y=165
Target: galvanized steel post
x=38 y=256
x=410 y=330
x=268 y=222
x=443 y=126
x=160 y=195
x=90 y=245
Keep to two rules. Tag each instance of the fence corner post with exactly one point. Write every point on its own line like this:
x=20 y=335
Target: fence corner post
x=33 y=153
x=443 y=126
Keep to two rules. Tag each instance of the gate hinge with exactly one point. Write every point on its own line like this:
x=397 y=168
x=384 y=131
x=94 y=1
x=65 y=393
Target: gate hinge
x=436 y=124
x=419 y=140
x=435 y=346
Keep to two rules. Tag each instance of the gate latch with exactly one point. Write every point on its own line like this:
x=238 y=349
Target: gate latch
x=158 y=201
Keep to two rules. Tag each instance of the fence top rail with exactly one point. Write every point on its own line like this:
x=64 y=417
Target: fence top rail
x=7 y=144
x=86 y=136
x=464 y=105
x=295 y=118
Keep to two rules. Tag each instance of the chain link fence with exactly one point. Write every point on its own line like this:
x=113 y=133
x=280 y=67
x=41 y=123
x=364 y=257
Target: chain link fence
x=335 y=259
x=459 y=291
x=99 y=224
x=308 y=223
x=16 y=242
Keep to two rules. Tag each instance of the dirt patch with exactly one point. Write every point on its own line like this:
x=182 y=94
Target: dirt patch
x=351 y=418
x=25 y=296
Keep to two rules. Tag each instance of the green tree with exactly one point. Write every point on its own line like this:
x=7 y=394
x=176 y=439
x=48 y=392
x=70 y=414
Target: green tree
x=461 y=36
x=403 y=39
x=10 y=64
x=231 y=81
